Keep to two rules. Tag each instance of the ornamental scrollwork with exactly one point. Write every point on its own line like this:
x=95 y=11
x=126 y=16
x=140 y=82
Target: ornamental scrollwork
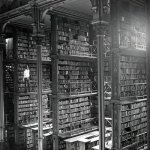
x=38 y=25
x=100 y=28
x=2 y=41
x=107 y=45
x=94 y=5
x=38 y=38
x=103 y=30
x=104 y=4
x=106 y=7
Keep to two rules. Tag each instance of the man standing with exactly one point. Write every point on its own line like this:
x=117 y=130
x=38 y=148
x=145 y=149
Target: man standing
x=26 y=79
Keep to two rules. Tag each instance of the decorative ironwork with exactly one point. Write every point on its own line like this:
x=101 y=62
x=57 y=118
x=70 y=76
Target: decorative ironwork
x=38 y=26
x=106 y=6
x=94 y=5
x=107 y=45
x=2 y=42
x=93 y=50
x=100 y=28
x=38 y=38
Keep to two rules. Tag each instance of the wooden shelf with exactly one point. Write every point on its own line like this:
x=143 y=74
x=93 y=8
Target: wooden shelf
x=129 y=146
x=129 y=68
x=25 y=61
x=33 y=93
x=75 y=58
x=76 y=96
x=82 y=131
x=133 y=52
x=34 y=124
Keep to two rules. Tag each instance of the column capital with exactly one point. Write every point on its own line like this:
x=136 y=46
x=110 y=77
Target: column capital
x=101 y=10
x=101 y=13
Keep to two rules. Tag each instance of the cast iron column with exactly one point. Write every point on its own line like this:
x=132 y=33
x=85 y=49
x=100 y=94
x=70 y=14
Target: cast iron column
x=2 y=47
x=100 y=61
x=55 y=99
x=38 y=36
x=148 y=73
x=100 y=13
x=39 y=95
x=116 y=142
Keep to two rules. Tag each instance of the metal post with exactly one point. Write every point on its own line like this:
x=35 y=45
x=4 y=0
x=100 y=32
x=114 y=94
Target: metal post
x=148 y=73
x=40 y=112
x=55 y=100
x=38 y=36
x=101 y=91
x=2 y=45
x=100 y=25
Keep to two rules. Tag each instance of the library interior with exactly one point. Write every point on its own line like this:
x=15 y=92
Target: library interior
x=74 y=75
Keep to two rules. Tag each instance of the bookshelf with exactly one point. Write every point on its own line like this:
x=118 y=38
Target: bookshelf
x=73 y=55
x=73 y=99
x=20 y=87
x=134 y=123
x=131 y=106
x=74 y=73
x=132 y=76
x=129 y=86
x=74 y=89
